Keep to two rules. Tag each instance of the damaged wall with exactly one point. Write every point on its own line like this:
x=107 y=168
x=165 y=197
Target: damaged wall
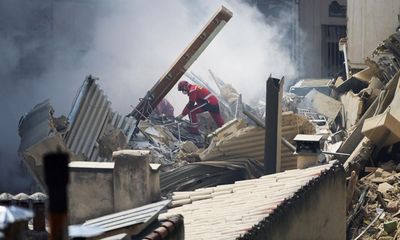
x=97 y=188
x=308 y=28
x=352 y=108
x=313 y=15
x=369 y=23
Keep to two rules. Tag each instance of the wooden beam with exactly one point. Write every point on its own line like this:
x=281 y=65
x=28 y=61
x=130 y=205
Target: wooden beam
x=182 y=64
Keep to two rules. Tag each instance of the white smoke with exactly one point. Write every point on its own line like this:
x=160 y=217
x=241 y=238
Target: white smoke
x=136 y=41
x=128 y=45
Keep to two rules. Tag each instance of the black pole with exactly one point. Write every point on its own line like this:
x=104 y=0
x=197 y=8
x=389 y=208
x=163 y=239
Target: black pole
x=272 y=118
x=56 y=176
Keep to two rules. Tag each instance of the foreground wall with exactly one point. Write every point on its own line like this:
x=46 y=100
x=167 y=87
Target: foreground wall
x=90 y=190
x=318 y=212
x=100 y=188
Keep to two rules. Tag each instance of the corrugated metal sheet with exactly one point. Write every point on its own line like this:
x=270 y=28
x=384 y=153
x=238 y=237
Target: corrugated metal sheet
x=130 y=221
x=38 y=136
x=35 y=126
x=13 y=214
x=208 y=174
x=89 y=115
x=249 y=142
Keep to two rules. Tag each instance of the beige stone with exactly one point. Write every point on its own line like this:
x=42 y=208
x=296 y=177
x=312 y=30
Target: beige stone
x=378 y=180
x=189 y=147
x=392 y=206
x=378 y=172
x=384 y=187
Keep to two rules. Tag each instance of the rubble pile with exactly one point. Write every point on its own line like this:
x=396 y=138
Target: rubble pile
x=370 y=104
x=375 y=206
x=243 y=140
x=348 y=126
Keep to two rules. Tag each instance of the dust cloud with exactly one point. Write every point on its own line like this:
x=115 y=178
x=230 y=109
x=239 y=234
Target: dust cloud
x=48 y=47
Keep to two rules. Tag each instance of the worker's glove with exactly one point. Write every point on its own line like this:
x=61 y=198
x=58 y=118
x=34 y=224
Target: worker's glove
x=179 y=118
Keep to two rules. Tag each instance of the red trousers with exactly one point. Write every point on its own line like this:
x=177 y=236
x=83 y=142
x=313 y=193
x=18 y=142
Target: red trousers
x=214 y=112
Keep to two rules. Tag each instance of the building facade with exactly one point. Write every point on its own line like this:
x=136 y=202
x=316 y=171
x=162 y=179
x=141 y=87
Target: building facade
x=313 y=29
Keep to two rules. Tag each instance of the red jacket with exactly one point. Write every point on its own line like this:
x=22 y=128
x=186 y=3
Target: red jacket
x=199 y=95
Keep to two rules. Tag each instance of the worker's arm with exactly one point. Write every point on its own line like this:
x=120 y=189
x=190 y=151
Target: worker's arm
x=190 y=105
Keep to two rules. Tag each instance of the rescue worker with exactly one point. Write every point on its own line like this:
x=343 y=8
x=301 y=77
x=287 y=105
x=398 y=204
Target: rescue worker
x=205 y=102
x=164 y=108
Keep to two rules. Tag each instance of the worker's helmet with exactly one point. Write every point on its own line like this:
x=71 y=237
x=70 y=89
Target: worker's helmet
x=183 y=86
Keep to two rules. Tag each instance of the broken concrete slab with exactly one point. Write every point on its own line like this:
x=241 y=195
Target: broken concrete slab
x=352 y=84
x=359 y=145
x=358 y=81
x=321 y=103
x=189 y=147
x=304 y=86
x=382 y=129
x=112 y=140
x=353 y=108
x=157 y=134
x=366 y=74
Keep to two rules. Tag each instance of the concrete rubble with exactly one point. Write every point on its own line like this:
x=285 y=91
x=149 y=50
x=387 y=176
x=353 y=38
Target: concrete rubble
x=372 y=141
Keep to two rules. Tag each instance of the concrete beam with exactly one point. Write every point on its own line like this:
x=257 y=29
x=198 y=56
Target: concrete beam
x=272 y=149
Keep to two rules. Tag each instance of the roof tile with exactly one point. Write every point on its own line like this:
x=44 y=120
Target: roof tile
x=228 y=211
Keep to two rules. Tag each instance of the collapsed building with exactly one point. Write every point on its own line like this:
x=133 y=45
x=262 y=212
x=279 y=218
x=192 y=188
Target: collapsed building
x=323 y=167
